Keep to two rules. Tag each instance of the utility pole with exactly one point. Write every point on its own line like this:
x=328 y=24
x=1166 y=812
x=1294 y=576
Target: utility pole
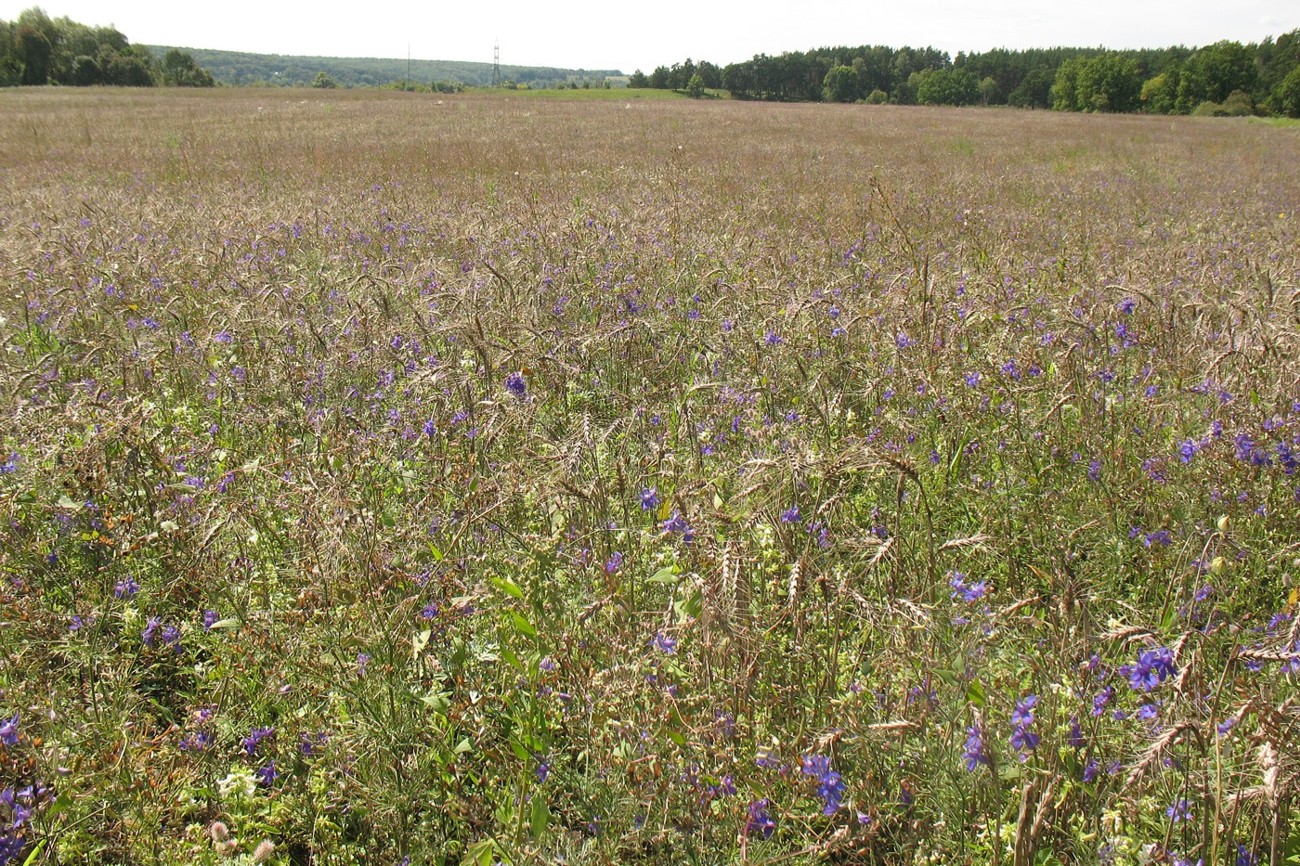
x=496 y=63
x=407 y=83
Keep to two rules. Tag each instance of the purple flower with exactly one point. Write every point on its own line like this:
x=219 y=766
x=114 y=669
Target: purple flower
x=254 y=739
x=664 y=643
x=760 y=820
x=210 y=618
x=1126 y=306
x=649 y=499
x=790 y=515
x=974 y=753
x=1024 y=712
x=149 y=633
x=772 y=338
x=363 y=659
x=830 y=786
x=1090 y=771
x=1187 y=450
x=267 y=775
x=9 y=731
x=973 y=379
x=1024 y=740
x=516 y=385
x=969 y=592
x=614 y=563
x=1179 y=810
x=126 y=588
x=677 y=523
x=1075 y=739
x=1101 y=699
x=1245 y=858
x=1151 y=668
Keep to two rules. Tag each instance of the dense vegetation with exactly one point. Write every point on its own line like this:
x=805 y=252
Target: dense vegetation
x=1223 y=78
x=37 y=49
x=399 y=480
x=239 y=68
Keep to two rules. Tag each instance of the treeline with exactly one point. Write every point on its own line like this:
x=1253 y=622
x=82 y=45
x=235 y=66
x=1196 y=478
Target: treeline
x=1223 y=78
x=37 y=49
x=245 y=69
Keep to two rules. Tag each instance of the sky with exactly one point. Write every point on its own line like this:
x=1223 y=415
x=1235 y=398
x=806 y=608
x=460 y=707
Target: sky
x=625 y=35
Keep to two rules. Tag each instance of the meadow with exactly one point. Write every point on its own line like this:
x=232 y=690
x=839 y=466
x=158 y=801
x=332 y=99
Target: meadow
x=412 y=479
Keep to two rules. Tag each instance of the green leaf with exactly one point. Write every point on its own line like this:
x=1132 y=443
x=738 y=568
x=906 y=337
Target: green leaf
x=539 y=816
x=420 y=641
x=691 y=606
x=522 y=626
x=508 y=587
x=520 y=751
x=676 y=738
x=511 y=658
x=224 y=624
x=665 y=575
x=438 y=702
x=975 y=693
x=480 y=853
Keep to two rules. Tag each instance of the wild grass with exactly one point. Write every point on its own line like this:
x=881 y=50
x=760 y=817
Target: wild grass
x=444 y=479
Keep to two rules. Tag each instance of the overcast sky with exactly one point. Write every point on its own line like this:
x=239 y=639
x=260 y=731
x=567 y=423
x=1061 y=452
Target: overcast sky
x=627 y=35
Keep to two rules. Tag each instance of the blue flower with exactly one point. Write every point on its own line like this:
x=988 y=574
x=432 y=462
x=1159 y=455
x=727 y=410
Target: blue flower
x=516 y=385
x=1023 y=715
x=255 y=737
x=677 y=523
x=790 y=515
x=975 y=754
x=267 y=775
x=664 y=643
x=649 y=499
x=9 y=731
x=1179 y=810
x=760 y=820
x=1151 y=668
x=830 y=786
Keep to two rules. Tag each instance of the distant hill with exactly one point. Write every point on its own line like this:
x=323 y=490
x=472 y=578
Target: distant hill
x=240 y=68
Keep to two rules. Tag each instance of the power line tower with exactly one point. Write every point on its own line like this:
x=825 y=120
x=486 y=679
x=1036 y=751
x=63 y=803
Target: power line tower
x=496 y=63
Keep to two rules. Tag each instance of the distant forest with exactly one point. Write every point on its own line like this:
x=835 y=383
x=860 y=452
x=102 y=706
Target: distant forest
x=242 y=69
x=1226 y=78
x=37 y=49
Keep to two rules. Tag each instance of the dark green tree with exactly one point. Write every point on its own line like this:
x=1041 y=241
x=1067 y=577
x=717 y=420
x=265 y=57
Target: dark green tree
x=947 y=87
x=1214 y=72
x=325 y=81
x=179 y=69
x=1288 y=94
x=34 y=52
x=841 y=84
x=1160 y=94
x=1108 y=82
x=1034 y=90
x=638 y=79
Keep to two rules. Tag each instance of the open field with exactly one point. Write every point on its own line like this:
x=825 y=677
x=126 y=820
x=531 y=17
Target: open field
x=438 y=479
